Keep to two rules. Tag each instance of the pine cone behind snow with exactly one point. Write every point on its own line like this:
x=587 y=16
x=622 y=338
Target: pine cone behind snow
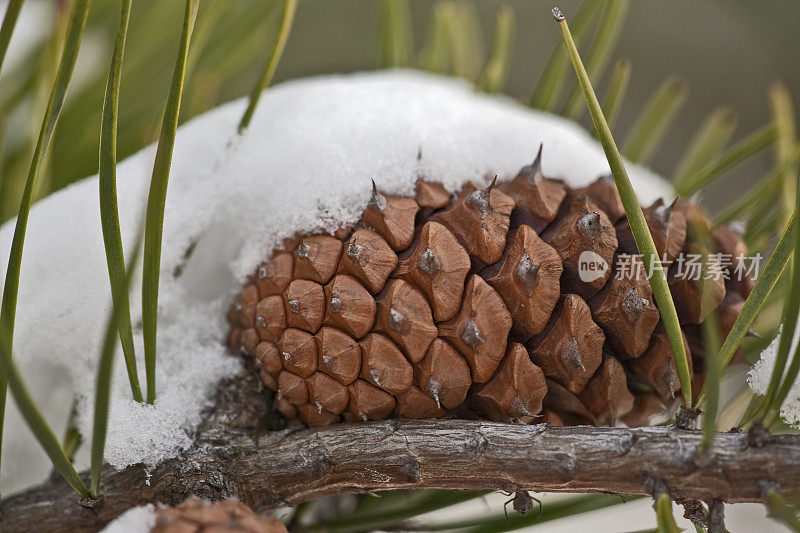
x=477 y=305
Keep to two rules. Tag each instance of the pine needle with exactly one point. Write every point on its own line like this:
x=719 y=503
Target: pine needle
x=156 y=201
x=782 y=511
x=72 y=437
x=103 y=384
x=8 y=311
x=764 y=190
x=711 y=137
x=617 y=90
x=289 y=9
x=109 y=213
x=492 y=78
x=641 y=232
x=9 y=22
x=36 y=422
x=381 y=518
x=548 y=88
x=747 y=147
x=766 y=281
x=395 y=40
x=783 y=116
x=466 y=41
x=711 y=341
x=498 y=522
x=435 y=56
x=599 y=53
x=665 y=520
x=790 y=316
x=660 y=111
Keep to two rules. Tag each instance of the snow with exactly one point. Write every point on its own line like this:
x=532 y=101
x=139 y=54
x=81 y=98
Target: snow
x=761 y=372
x=305 y=164
x=135 y=520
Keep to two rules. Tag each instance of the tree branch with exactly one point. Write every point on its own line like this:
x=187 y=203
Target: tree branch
x=233 y=458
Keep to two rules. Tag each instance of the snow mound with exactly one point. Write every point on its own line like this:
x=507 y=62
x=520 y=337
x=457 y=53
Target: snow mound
x=305 y=164
x=758 y=378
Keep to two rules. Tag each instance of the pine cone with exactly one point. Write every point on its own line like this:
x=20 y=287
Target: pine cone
x=474 y=305
x=198 y=516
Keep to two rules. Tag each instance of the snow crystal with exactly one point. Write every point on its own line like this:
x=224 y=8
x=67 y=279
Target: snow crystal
x=135 y=520
x=758 y=378
x=305 y=164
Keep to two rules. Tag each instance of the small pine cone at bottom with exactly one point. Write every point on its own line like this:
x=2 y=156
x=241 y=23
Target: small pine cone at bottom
x=198 y=516
x=477 y=305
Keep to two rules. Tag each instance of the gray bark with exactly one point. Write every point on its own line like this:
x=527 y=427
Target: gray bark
x=235 y=456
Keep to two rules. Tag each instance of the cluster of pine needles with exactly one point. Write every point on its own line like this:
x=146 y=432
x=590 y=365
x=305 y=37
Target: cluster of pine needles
x=46 y=156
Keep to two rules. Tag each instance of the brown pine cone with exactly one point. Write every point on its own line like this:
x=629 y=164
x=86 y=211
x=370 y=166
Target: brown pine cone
x=476 y=305
x=198 y=516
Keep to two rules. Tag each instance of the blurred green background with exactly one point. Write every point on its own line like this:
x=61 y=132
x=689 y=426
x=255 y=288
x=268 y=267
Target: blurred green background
x=729 y=51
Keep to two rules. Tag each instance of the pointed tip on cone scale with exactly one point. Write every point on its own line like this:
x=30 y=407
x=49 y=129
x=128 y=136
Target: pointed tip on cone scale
x=338 y=355
x=368 y=257
x=304 y=303
x=404 y=316
x=384 y=365
x=527 y=278
x=515 y=392
x=438 y=265
x=392 y=217
x=299 y=352
x=571 y=346
x=625 y=309
x=480 y=329
x=316 y=258
x=480 y=218
x=414 y=403
x=656 y=365
x=583 y=235
x=349 y=306
x=443 y=374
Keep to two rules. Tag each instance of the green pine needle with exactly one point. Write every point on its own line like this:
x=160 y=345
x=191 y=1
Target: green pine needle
x=36 y=422
x=466 y=41
x=783 y=116
x=767 y=279
x=548 y=88
x=435 y=56
x=641 y=232
x=380 y=518
x=599 y=54
x=711 y=342
x=289 y=9
x=766 y=189
x=498 y=522
x=492 y=78
x=781 y=511
x=790 y=315
x=8 y=311
x=9 y=22
x=395 y=41
x=72 y=437
x=665 y=520
x=104 y=368
x=154 y=220
x=711 y=137
x=617 y=90
x=742 y=150
x=109 y=213
x=660 y=111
